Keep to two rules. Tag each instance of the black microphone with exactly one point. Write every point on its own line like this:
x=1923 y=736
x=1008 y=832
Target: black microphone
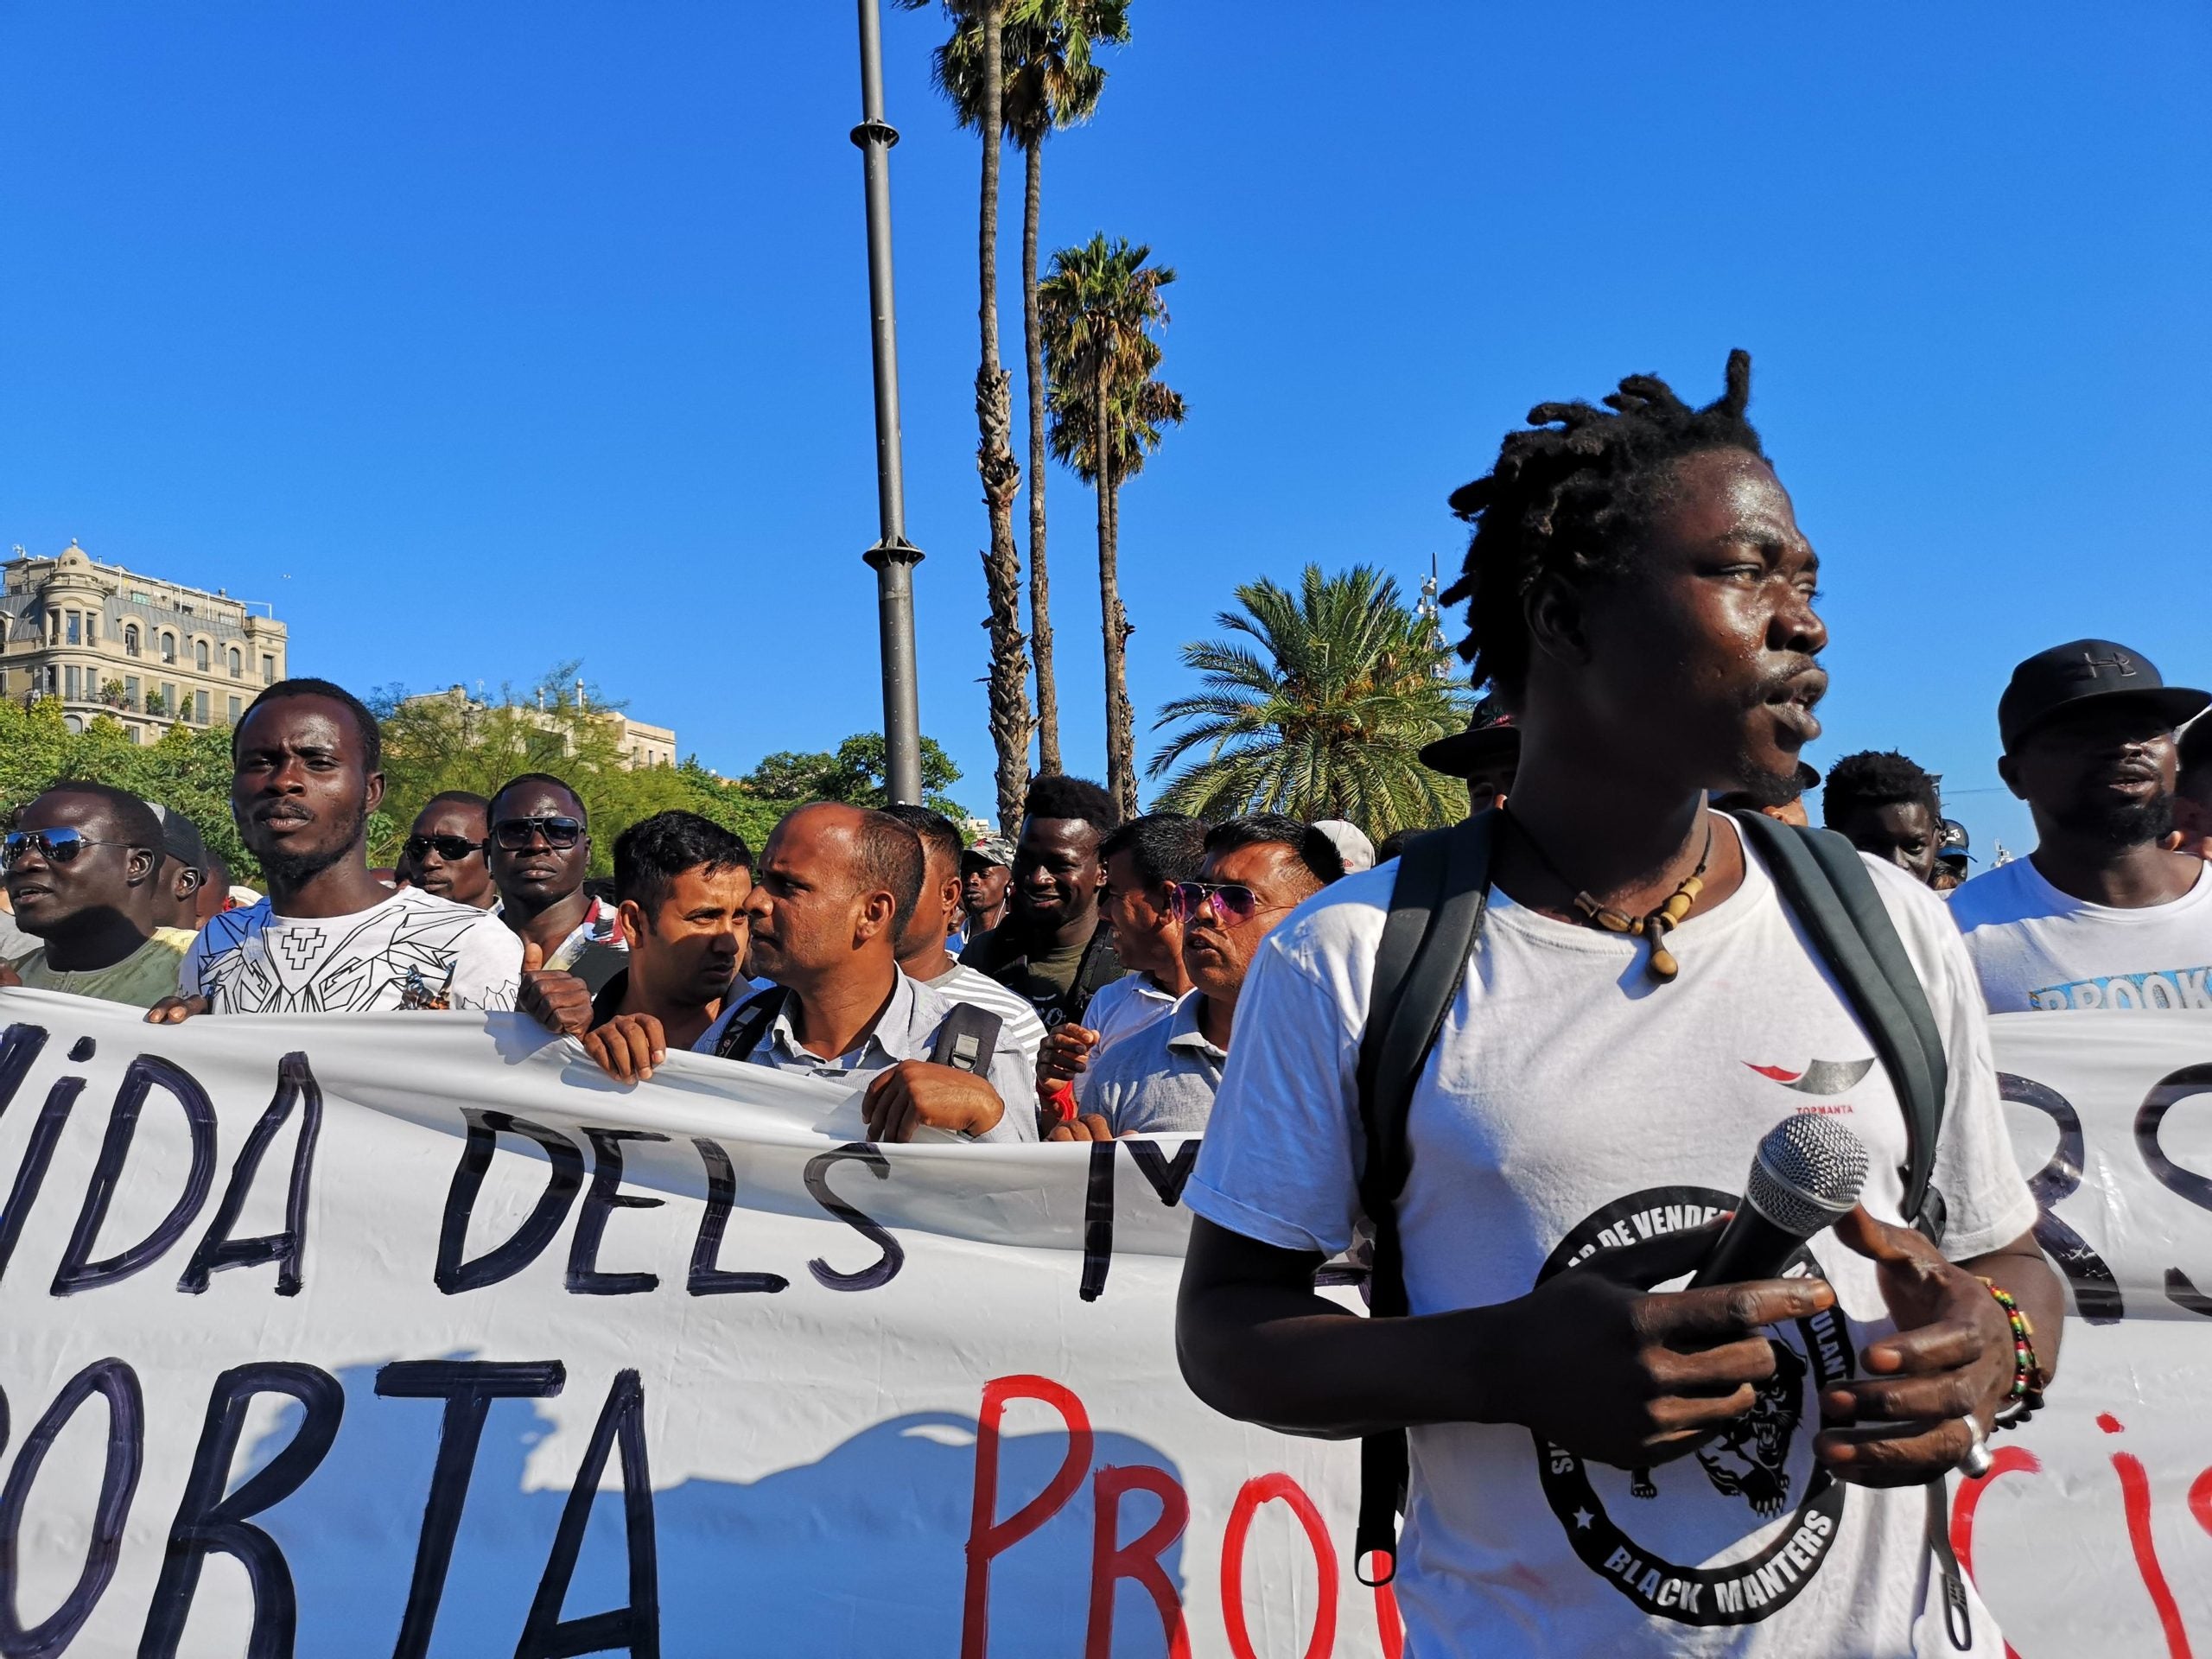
x=1806 y=1175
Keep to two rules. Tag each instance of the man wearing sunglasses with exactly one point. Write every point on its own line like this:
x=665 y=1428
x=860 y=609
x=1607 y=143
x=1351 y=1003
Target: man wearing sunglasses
x=306 y=773
x=539 y=853
x=82 y=869
x=1162 y=1080
x=445 y=852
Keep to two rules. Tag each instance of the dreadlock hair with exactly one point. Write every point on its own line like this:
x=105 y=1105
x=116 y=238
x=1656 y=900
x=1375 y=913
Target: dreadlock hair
x=1877 y=777
x=1572 y=499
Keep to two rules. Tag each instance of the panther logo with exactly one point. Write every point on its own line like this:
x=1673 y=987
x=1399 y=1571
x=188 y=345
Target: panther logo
x=1749 y=1459
x=1633 y=1545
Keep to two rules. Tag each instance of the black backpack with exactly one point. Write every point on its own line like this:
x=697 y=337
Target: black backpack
x=966 y=1039
x=1435 y=919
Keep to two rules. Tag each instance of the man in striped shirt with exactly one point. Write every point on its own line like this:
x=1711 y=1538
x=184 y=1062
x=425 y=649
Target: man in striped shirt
x=922 y=955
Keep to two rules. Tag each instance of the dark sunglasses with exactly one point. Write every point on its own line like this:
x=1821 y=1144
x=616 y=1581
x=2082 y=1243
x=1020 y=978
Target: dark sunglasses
x=452 y=849
x=513 y=835
x=55 y=846
x=1232 y=901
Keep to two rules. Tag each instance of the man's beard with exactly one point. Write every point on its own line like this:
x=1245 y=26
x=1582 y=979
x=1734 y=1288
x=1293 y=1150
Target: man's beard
x=2124 y=823
x=293 y=867
x=1761 y=787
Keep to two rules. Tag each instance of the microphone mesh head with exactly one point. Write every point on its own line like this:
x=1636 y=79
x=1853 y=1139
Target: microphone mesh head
x=1807 y=1173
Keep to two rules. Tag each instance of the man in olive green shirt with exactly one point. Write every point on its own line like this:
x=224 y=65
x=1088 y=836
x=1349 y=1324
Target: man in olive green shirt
x=82 y=866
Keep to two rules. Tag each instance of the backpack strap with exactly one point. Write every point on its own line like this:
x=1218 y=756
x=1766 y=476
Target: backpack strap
x=1826 y=886
x=750 y=1024
x=966 y=1039
x=1437 y=907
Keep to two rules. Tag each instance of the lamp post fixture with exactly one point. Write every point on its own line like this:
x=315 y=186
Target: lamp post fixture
x=893 y=557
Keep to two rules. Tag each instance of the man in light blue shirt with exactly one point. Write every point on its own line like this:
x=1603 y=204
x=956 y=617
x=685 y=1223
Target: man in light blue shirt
x=1162 y=1080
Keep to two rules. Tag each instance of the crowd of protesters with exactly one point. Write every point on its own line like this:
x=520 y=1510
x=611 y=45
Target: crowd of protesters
x=1640 y=603
x=1076 y=937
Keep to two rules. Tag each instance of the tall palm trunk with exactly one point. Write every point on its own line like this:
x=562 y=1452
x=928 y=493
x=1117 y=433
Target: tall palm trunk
x=1041 y=591
x=1121 y=720
x=1009 y=689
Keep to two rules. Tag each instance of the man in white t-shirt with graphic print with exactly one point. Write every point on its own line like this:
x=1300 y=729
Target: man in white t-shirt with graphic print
x=1598 y=1468
x=2101 y=915
x=330 y=938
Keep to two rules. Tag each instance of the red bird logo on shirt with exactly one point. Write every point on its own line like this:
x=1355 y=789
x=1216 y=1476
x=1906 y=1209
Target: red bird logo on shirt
x=1819 y=1077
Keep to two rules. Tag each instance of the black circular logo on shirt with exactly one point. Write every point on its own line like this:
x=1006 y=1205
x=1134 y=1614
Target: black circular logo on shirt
x=1742 y=1480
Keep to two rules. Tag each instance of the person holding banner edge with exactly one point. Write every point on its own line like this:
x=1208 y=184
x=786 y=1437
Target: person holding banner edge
x=1640 y=594
x=681 y=882
x=832 y=892
x=329 y=937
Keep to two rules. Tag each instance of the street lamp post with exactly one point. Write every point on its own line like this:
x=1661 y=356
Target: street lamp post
x=893 y=557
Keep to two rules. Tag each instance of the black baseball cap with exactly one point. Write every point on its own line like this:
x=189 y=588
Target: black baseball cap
x=181 y=838
x=2054 y=682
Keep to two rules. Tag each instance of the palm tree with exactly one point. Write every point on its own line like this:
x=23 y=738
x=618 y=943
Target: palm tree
x=1322 y=714
x=1050 y=82
x=1002 y=474
x=1108 y=413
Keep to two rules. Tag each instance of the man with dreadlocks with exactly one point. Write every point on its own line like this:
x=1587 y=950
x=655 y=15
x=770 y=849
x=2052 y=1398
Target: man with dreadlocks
x=1888 y=808
x=1640 y=597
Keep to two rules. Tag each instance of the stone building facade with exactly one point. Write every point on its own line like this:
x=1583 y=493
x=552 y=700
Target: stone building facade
x=150 y=653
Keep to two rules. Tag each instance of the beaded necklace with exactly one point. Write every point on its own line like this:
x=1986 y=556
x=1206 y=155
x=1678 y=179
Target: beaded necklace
x=1655 y=927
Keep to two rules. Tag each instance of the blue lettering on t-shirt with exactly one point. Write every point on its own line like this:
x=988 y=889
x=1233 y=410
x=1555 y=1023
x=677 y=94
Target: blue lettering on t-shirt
x=2170 y=988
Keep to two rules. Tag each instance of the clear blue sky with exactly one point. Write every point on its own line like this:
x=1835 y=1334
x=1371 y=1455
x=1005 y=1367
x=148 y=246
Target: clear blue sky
x=477 y=338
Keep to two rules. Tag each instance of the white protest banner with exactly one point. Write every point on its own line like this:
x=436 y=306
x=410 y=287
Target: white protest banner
x=411 y=1335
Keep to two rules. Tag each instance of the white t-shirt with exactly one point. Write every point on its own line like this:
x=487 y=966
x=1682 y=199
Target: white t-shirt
x=413 y=950
x=1120 y=1008
x=2036 y=947
x=1571 y=1104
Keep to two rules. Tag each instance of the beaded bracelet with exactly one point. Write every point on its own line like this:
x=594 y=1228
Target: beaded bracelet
x=2026 y=1397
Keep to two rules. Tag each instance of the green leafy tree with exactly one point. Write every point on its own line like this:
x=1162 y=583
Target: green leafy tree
x=1318 y=705
x=445 y=741
x=188 y=769
x=1100 y=308
x=1051 y=80
x=857 y=773
x=731 y=804
x=789 y=775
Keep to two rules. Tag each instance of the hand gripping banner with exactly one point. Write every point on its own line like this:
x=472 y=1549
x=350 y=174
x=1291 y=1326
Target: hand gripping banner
x=411 y=1335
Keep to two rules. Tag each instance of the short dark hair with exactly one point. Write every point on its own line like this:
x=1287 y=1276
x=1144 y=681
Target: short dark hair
x=547 y=779
x=935 y=830
x=1572 y=499
x=219 y=871
x=890 y=858
x=1877 y=777
x=1314 y=849
x=652 y=853
x=1058 y=796
x=459 y=797
x=1166 y=846
x=139 y=824
x=364 y=724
